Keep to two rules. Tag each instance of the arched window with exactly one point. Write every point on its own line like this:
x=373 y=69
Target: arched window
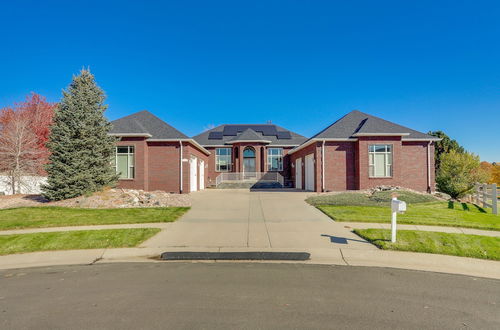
x=249 y=152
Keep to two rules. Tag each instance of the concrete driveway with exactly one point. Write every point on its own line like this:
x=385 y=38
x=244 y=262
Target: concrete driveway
x=239 y=218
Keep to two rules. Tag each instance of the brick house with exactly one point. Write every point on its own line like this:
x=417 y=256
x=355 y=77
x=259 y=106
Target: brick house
x=358 y=151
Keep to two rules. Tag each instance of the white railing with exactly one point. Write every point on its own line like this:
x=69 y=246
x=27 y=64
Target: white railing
x=484 y=193
x=250 y=177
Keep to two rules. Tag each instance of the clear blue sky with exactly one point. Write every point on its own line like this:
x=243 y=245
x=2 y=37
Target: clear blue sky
x=428 y=65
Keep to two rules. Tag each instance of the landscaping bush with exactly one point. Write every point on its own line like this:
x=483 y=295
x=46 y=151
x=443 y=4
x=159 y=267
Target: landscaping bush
x=458 y=173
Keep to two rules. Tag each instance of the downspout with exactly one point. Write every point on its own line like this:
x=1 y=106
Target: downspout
x=429 y=167
x=181 y=166
x=323 y=166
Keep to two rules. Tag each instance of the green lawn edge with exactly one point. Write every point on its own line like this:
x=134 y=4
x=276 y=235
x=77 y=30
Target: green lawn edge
x=56 y=216
x=75 y=240
x=418 y=214
x=461 y=245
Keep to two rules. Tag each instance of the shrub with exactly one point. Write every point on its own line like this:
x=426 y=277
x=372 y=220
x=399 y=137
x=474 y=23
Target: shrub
x=458 y=173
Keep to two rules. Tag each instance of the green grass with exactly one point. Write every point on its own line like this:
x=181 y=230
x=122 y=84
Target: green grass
x=379 y=198
x=72 y=240
x=462 y=245
x=40 y=217
x=434 y=214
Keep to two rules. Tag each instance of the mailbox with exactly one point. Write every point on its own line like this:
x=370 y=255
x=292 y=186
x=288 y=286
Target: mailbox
x=398 y=206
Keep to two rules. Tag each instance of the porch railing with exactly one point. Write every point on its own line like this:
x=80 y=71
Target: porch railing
x=250 y=177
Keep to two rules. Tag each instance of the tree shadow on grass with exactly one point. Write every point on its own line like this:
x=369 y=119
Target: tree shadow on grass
x=479 y=208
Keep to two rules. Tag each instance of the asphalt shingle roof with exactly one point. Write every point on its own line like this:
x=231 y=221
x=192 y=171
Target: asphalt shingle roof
x=225 y=134
x=357 y=122
x=144 y=122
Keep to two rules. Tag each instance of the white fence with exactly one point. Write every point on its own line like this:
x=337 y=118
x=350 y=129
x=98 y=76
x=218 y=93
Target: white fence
x=27 y=185
x=249 y=177
x=484 y=193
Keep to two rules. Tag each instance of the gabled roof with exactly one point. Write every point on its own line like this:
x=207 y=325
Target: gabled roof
x=147 y=124
x=265 y=133
x=248 y=135
x=357 y=123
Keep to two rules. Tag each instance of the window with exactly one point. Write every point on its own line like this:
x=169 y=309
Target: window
x=275 y=159
x=380 y=159
x=124 y=162
x=223 y=159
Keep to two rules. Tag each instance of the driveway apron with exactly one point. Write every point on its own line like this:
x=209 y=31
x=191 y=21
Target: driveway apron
x=240 y=218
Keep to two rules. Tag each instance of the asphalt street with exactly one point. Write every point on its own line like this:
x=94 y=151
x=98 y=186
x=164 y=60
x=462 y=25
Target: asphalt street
x=175 y=295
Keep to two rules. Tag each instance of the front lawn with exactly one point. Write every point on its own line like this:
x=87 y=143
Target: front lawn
x=73 y=240
x=437 y=214
x=474 y=246
x=40 y=217
x=379 y=198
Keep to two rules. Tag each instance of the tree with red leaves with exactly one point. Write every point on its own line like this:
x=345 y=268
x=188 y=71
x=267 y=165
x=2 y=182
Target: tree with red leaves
x=24 y=131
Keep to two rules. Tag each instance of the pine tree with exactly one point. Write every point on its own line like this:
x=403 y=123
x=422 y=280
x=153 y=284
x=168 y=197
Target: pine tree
x=81 y=149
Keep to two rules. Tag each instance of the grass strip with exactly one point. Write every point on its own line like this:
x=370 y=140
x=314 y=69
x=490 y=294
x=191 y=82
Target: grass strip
x=434 y=214
x=462 y=245
x=75 y=240
x=42 y=217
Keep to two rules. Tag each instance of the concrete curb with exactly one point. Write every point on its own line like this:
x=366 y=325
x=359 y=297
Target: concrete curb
x=345 y=257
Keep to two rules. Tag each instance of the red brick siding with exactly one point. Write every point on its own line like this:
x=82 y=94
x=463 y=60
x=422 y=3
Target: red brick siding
x=140 y=163
x=340 y=169
x=164 y=166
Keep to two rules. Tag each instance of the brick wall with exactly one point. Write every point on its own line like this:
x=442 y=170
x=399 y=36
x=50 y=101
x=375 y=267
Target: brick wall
x=157 y=165
x=340 y=166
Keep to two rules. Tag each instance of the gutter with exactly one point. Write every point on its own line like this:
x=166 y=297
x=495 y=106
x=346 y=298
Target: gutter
x=323 y=166
x=181 y=166
x=429 y=166
x=199 y=146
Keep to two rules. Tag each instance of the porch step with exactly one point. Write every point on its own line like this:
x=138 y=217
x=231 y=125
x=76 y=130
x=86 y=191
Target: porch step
x=250 y=185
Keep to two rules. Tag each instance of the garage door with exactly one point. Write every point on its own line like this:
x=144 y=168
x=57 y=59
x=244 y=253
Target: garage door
x=298 y=173
x=202 y=175
x=193 y=174
x=309 y=169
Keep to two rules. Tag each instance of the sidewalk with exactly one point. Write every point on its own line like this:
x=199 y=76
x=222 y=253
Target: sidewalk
x=342 y=257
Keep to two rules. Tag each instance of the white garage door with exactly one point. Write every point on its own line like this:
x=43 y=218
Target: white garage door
x=193 y=174
x=202 y=175
x=309 y=169
x=298 y=173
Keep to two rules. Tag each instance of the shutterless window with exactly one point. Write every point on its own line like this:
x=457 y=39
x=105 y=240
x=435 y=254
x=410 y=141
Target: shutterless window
x=380 y=158
x=275 y=159
x=124 y=162
x=223 y=159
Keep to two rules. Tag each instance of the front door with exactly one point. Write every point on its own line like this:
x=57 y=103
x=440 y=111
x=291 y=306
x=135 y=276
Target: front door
x=249 y=163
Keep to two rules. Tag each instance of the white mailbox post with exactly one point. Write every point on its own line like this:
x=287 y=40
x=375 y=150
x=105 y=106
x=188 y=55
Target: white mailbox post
x=397 y=206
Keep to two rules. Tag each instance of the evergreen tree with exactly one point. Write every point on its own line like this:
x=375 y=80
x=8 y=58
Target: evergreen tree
x=81 y=149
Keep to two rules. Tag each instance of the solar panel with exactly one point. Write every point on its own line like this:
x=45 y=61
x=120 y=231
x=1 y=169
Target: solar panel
x=266 y=130
x=284 y=135
x=215 y=136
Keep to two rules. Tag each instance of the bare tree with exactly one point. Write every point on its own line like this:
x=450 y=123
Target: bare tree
x=19 y=151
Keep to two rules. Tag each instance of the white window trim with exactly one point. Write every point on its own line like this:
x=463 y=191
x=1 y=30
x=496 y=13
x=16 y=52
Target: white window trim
x=388 y=165
x=270 y=156
x=230 y=164
x=129 y=163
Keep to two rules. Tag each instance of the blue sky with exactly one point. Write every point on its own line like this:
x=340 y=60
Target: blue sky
x=428 y=65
